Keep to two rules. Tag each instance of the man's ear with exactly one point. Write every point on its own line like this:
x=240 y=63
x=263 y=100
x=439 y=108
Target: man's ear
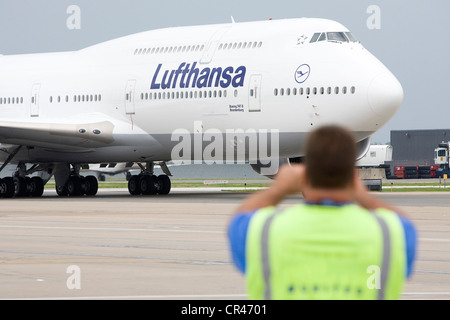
x=304 y=178
x=355 y=180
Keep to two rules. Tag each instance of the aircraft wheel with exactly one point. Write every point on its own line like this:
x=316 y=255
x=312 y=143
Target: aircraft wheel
x=7 y=188
x=36 y=187
x=148 y=185
x=20 y=186
x=91 y=185
x=164 y=184
x=61 y=191
x=133 y=186
x=74 y=186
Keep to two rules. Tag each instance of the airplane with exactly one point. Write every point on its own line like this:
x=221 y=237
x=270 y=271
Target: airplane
x=149 y=97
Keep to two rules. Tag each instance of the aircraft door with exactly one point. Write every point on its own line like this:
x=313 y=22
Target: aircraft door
x=34 y=106
x=212 y=45
x=254 y=94
x=129 y=97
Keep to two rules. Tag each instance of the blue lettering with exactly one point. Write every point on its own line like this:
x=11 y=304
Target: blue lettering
x=166 y=83
x=238 y=80
x=195 y=71
x=218 y=73
x=226 y=77
x=156 y=85
x=203 y=79
x=189 y=76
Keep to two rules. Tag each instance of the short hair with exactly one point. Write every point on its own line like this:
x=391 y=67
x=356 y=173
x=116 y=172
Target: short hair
x=330 y=157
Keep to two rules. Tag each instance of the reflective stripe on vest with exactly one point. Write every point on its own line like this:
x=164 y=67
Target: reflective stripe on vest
x=265 y=254
x=386 y=262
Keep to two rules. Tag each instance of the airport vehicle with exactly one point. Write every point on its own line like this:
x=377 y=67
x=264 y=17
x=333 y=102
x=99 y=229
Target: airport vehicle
x=376 y=156
x=238 y=92
x=441 y=158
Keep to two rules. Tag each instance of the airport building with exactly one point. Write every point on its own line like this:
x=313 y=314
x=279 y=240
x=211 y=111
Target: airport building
x=416 y=147
x=413 y=152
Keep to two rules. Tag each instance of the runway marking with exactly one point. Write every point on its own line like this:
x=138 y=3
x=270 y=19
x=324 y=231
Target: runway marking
x=426 y=293
x=186 y=296
x=434 y=239
x=110 y=229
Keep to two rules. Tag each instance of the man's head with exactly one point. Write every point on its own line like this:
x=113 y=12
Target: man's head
x=330 y=158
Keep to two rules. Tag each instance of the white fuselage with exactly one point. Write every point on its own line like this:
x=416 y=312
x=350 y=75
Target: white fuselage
x=123 y=100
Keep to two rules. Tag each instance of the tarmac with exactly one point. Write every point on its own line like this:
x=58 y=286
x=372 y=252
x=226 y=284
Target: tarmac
x=117 y=246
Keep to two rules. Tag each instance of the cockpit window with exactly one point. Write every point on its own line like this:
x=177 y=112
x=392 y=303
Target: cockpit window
x=315 y=37
x=333 y=37
x=337 y=36
x=323 y=37
x=351 y=37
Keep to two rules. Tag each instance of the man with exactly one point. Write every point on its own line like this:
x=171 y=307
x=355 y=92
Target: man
x=341 y=243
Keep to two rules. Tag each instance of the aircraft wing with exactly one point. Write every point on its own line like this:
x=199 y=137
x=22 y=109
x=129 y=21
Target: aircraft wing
x=57 y=135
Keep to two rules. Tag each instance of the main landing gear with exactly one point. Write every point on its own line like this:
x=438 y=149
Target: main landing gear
x=77 y=186
x=69 y=182
x=146 y=183
x=21 y=187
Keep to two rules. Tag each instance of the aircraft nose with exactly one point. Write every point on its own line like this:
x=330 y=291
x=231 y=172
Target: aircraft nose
x=385 y=95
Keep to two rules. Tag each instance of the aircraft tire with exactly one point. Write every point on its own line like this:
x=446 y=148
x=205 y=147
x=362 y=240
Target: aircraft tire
x=74 y=187
x=61 y=191
x=20 y=186
x=7 y=187
x=148 y=185
x=37 y=187
x=134 y=186
x=164 y=184
x=91 y=185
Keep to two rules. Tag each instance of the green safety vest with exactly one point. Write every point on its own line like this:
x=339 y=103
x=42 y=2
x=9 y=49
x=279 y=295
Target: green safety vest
x=325 y=252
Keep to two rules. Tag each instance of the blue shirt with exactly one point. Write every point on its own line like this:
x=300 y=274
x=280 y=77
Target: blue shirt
x=237 y=236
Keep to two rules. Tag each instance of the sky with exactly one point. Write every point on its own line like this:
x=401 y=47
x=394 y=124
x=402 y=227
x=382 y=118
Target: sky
x=409 y=36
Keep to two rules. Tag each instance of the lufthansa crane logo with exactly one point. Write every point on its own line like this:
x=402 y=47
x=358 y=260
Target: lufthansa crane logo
x=302 y=73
